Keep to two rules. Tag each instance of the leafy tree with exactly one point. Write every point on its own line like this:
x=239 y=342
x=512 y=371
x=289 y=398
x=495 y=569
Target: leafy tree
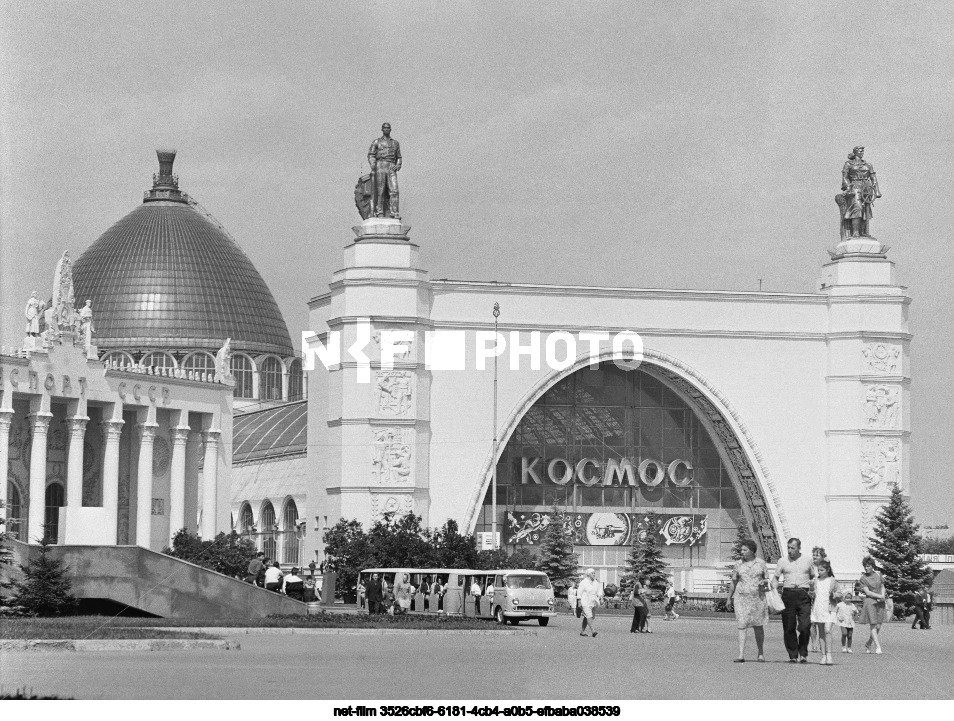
x=522 y=558
x=227 y=553
x=557 y=557
x=938 y=545
x=400 y=541
x=742 y=534
x=452 y=549
x=895 y=546
x=45 y=588
x=645 y=559
x=346 y=552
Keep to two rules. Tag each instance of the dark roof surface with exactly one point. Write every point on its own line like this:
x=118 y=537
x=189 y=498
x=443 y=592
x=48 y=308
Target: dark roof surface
x=270 y=432
x=165 y=276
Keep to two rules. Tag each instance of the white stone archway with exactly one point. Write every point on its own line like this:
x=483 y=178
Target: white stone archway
x=757 y=492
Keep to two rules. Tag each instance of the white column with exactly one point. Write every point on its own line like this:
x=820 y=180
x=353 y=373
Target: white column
x=180 y=439
x=6 y=419
x=147 y=435
x=74 y=466
x=114 y=430
x=210 y=467
x=40 y=422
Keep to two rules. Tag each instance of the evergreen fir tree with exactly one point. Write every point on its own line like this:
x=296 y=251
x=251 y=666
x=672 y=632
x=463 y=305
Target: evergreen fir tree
x=742 y=534
x=895 y=546
x=631 y=571
x=45 y=588
x=651 y=564
x=7 y=605
x=557 y=557
x=645 y=560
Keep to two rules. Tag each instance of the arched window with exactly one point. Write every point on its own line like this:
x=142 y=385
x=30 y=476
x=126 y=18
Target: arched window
x=158 y=359
x=55 y=499
x=243 y=372
x=270 y=379
x=199 y=362
x=290 y=545
x=117 y=357
x=246 y=520
x=267 y=530
x=16 y=524
x=295 y=380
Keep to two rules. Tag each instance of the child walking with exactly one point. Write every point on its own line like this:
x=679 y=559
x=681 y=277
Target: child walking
x=823 y=609
x=845 y=613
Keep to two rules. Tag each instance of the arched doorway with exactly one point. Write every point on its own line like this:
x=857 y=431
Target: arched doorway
x=291 y=547
x=55 y=499
x=610 y=446
x=267 y=530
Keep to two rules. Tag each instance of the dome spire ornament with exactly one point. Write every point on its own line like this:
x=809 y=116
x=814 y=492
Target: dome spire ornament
x=165 y=184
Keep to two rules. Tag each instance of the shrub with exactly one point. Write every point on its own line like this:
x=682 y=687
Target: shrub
x=45 y=588
x=227 y=553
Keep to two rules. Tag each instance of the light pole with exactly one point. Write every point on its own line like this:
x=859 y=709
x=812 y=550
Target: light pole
x=493 y=460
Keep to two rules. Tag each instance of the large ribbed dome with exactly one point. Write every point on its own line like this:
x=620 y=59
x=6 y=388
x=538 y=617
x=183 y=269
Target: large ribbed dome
x=167 y=276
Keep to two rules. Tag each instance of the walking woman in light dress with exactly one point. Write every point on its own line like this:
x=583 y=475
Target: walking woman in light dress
x=818 y=555
x=747 y=595
x=873 y=611
x=823 y=609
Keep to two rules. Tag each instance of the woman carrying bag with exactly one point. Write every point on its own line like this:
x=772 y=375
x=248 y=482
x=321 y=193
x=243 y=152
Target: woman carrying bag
x=747 y=595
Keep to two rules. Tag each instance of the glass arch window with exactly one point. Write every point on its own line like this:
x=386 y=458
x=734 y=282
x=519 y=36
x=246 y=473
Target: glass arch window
x=295 y=381
x=290 y=545
x=199 y=362
x=610 y=446
x=270 y=379
x=246 y=520
x=268 y=530
x=242 y=370
x=119 y=358
x=16 y=523
x=158 y=359
x=55 y=499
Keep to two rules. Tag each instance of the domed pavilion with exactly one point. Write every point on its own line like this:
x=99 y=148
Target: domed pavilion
x=169 y=285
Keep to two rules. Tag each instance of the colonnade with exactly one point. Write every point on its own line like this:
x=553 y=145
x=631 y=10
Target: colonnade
x=113 y=426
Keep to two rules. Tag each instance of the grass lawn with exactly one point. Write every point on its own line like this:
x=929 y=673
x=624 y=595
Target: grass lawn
x=74 y=627
x=83 y=627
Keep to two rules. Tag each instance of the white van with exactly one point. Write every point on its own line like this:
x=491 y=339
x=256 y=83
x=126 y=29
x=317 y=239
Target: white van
x=520 y=594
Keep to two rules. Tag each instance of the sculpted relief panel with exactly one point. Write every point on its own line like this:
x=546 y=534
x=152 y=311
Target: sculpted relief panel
x=882 y=406
x=881 y=465
x=392 y=393
x=391 y=456
x=881 y=358
x=398 y=503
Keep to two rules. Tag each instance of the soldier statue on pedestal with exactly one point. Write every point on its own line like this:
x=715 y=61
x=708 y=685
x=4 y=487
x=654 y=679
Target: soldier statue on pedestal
x=376 y=194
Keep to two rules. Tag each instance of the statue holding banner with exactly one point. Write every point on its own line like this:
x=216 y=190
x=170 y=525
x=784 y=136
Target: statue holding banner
x=859 y=185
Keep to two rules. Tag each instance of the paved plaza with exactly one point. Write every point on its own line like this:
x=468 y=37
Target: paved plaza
x=688 y=659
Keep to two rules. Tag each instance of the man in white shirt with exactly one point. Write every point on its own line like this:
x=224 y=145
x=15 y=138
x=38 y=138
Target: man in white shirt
x=273 y=578
x=796 y=573
x=590 y=592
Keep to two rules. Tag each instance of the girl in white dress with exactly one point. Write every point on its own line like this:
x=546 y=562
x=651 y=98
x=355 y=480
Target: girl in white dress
x=823 y=609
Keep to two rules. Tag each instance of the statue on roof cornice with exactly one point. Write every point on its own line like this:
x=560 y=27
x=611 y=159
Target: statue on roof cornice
x=63 y=300
x=223 y=362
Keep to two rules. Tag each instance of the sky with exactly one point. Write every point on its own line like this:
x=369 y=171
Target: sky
x=571 y=143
